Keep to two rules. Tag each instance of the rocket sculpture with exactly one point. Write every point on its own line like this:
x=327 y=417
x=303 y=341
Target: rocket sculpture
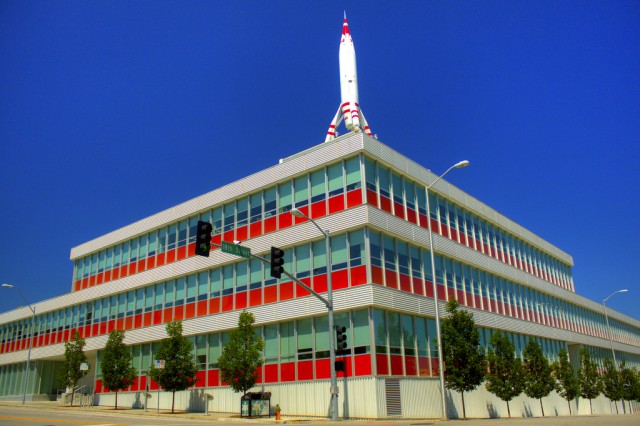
x=349 y=109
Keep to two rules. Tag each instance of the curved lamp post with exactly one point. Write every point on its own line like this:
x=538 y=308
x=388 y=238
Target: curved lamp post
x=25 y=381
x=604 y=304
x=459 y=165
x=332 y=349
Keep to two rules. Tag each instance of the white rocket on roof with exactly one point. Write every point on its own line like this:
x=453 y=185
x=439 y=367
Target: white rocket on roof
x=349 y=109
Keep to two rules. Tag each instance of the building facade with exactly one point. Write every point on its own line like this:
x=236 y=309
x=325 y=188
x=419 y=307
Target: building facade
x=372 y=200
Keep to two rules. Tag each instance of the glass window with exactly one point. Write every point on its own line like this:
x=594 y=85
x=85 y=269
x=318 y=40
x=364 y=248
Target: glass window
x=317 y=186
x=319 y=257
x=403 y=258
x=395 y=333
x=356 y=248
x=241 y=276
x=255 y=277
x=322 y=336
x=408 y=335
x=284 y=191
x=336 y=185
x=389 y=254
x=217 y=221
x=270 y=202
x=229 y=217
x=370 y=174
x=203 y=285
x=303 y=261
x=243 y=207
x=170 y=293
x=301 y=185
x=361 y=337
x=305 y=339
x=271 y=344
x=180 y=291
x=353 y=173
x=227 y=280
x=216 y=283
x=398 y=193
x=339 y=252
x=152 y=244
x=256 y=207
x=191 y=288
x=215 y=350
x=376 y=248
x=287 y=342
x=410 y=194
x=383 y=180
x=171 y=238
x=380 y=330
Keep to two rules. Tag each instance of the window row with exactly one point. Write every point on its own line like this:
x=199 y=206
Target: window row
x=405 y=198
x=313 y=188
x=398 y=264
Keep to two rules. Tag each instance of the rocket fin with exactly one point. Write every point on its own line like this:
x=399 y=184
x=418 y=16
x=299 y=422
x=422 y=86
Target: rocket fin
x=331 y=133
x=365 y=123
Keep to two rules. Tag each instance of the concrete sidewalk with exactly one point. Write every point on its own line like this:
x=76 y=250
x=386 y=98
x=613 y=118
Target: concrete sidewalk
x=598 y=420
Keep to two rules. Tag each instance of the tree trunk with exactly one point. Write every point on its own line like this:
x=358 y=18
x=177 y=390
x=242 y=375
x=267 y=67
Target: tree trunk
x=508 y=409
x=464 y=411
x=173 y=401
x=116 y=400
x=624 y=408
x=591 y=407
x=73 y=394
x=541 y=407
x=569 y=404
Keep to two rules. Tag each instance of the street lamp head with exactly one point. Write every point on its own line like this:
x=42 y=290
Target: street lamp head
x=461 y=164
x=623 y=291
x=7 y=286
x=297 y=213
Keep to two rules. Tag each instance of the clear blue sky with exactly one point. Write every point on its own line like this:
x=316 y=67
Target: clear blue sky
x=109 y=109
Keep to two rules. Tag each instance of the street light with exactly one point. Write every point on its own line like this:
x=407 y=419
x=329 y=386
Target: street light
x=604 y=304
x=332 y=350
x=459 y=165
x=25 y=381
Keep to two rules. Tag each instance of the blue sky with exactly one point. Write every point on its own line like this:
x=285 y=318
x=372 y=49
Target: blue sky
x=109 y=110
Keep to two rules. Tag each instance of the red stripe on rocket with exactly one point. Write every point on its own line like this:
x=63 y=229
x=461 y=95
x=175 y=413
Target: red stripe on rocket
x=349 y=109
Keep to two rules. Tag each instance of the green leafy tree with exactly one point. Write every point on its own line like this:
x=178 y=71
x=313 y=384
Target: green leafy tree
x=179 y=372
x=537 y=373
x=630 y=384
x=463 y=357
x=612 y=382
x=505 y=378
x=118 y=372
x=567 y=384
x=588 y=377
x=70 y=374
x=242 y=355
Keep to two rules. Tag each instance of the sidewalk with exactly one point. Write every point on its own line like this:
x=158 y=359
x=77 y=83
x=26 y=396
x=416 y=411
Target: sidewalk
x=597 y=420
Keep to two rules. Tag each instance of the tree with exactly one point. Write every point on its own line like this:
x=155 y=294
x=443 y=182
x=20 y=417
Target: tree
x=537 y=373
x=630 y=384
x=567 y=384
x=118 y=372
x=179 y=372
x=505 y=378
x=611 y=382
x=74 y=356
x=242 y=355
x=463 y=357
x=588 y=377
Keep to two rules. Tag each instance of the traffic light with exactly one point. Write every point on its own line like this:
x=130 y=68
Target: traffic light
x=277 y=260
x=341 y=339
x=203 y=238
